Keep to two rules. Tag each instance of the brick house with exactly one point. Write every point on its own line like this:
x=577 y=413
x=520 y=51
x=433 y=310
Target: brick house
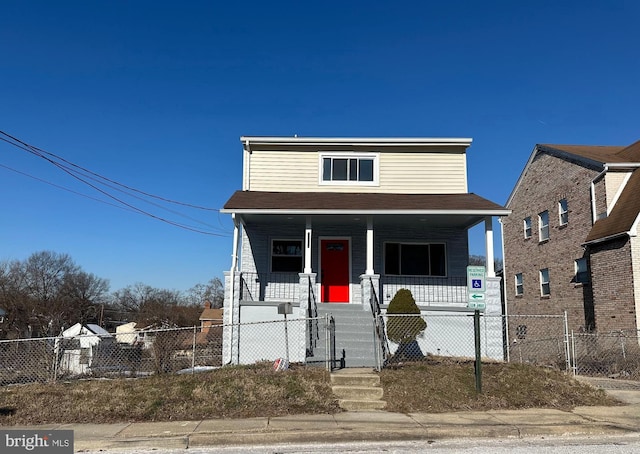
x=570 y=242
x=339 y=225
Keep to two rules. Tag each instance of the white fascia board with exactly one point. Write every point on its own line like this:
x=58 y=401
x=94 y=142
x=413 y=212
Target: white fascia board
x=368 y=141
x=369 y=212
x=622 y=165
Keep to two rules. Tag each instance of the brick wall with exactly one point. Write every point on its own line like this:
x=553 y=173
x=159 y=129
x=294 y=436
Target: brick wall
x=613 y=290
x=547 y=180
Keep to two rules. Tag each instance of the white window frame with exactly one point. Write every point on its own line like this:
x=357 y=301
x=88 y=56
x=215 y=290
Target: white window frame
x=526 y=223
x=545 y=282
x=408 y=243
x=563 y=212
x=272 y=255
x=519 y=285
x=543 y=229
x=340 y=155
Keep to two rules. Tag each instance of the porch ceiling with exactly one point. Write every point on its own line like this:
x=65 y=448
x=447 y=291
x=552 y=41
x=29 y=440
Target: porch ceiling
x=427 y=221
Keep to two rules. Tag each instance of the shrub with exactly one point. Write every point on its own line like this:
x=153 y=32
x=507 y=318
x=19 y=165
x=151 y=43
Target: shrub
x=403 y=330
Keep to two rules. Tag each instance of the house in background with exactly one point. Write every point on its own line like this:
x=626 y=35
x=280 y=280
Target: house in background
x=338 y=225
x=78 y=349
x=570 y=242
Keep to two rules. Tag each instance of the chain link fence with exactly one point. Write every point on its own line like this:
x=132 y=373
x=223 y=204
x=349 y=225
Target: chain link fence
x=613 y=355
x=540 y=340
x=133 y=354
x=533 y=339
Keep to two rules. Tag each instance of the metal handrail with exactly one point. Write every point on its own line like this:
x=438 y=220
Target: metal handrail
x=382 y=347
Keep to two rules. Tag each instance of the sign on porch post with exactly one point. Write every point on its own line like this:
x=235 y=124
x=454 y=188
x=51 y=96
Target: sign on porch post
x=476 y=287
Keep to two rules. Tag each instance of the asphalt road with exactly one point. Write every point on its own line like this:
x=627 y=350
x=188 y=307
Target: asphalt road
x=560 y=445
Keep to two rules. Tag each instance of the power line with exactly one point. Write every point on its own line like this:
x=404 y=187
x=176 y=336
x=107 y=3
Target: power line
x=83 y=173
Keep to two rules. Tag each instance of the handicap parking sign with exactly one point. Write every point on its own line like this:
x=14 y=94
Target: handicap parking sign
x=476 y=284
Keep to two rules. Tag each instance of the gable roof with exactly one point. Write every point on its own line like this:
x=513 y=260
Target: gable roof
x=623 y=216
x=211 y=314
x=258 y=202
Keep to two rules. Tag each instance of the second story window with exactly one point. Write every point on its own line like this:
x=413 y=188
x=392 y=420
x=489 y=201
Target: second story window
x=519 y=284
x=345 y=169
x=543 y=226
x=527 y=227
x=545 y=285
x=563 y=212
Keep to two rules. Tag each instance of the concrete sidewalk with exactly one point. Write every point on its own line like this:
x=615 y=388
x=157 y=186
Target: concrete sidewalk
x=360 y=426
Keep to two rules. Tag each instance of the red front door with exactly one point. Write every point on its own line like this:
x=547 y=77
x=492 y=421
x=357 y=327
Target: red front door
x=335 y=271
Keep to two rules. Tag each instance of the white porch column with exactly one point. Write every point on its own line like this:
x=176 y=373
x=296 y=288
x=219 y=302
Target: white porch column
x=369 y=270
x=488 y=239
x=307 y=246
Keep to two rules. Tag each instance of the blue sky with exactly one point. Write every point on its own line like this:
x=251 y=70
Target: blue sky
x=155 y=95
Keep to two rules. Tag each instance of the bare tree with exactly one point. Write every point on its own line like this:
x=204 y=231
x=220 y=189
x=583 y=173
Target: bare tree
x=212 y=291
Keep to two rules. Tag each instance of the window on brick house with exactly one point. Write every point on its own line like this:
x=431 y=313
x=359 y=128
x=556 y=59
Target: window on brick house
x=527 y=227
x=543 y=225
x=519 y=284
x=545 y=285
x=582 y=272
x=521 y=331
x=563 y=212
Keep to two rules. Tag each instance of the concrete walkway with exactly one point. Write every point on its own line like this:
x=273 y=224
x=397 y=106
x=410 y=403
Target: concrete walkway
x=360 y=426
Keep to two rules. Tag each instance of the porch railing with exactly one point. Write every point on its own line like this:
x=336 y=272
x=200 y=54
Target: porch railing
x=427 y=291
x=381 y=342
x=312 y=316
x=269 y=286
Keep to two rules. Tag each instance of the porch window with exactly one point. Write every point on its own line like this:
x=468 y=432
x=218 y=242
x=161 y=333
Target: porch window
x=412 y=259
x=349 y=169
x=286 y=256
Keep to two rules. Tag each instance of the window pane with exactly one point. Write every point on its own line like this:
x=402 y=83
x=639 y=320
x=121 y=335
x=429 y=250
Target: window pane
x=519 y=286
x=286 y=256
x=286 y=264
x=414 y=259
x=392 y=258
x=545 y=287
x=437 y=260
x=326 y=169
x=564 y=212
x=543 y=220
x=353 y=170
x=582 y=273
x=340 y=169
x=527 y=227
x=366 y=170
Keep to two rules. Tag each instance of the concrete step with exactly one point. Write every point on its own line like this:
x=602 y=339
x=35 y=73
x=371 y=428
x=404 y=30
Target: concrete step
x=361 y=405
x=357 y=392
x=358 y=389
x=370 y=380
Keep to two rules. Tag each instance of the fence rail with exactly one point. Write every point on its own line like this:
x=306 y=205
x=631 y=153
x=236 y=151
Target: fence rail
x=540 y=340
x=269 y=286
x=426 y=290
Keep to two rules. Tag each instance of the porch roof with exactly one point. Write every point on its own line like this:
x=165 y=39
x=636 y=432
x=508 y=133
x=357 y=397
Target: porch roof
x=256 y=202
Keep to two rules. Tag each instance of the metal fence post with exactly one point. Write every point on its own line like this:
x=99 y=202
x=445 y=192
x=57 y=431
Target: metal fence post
x=327 y=345
x=193 y=356
x=573 y=350
x=567 y=351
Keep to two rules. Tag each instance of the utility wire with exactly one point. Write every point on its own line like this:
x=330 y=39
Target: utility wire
x=49 y=157
x=40 y=152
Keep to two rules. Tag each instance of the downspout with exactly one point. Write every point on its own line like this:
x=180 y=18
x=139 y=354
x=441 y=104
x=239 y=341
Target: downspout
x=504 y=290
x=247 y=166
x=232 y=278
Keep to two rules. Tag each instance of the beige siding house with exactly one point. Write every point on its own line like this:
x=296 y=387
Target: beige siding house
x=337 y=223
